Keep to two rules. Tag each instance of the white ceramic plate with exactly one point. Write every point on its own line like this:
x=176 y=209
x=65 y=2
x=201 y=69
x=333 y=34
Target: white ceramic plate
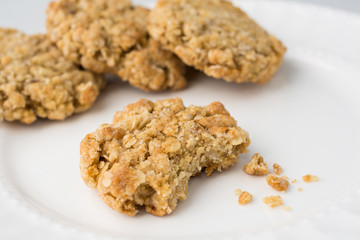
x=306 y=119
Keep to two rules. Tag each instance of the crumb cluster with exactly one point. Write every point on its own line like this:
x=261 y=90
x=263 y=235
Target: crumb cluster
x=148 y=154
x=257 y=166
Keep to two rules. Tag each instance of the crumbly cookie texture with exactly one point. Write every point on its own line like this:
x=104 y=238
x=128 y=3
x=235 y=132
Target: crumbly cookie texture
x=148 y=154
x=110 y=36
x=218 y=38
x=256 y=166
x=36 y=81
x=277 y=183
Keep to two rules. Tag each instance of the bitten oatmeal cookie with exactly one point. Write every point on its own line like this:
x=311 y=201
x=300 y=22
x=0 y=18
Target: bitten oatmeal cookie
x=218 y=38
x=37 y=81
x=110 y=36
x=148 y=154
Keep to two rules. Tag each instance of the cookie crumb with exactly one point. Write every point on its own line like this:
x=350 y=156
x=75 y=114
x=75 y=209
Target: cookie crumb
x=277 y=183
x=294 y=181
x=286 y=208
x=277 y=169
x=310 y=178
x=238 y=192
x=300 y=189
x=244 y=198
x=256 y=166
x=273 y=201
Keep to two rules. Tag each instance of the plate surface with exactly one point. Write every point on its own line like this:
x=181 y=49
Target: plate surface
x=306 y=119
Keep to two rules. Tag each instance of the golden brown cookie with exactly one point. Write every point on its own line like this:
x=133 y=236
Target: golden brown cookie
x=146 y=157
x=37 y=81
x=218 y=38
x=110 y=36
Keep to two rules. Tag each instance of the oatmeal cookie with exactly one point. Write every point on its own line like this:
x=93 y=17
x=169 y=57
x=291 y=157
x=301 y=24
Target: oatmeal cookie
x=110 y=36
x=37 y=81
x=218 y=38
x=148 y=154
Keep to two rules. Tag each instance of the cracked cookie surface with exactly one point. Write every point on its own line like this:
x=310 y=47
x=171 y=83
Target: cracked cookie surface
x=110 y=36
x=36 y=81
x=146 y=157
x=217 y=38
